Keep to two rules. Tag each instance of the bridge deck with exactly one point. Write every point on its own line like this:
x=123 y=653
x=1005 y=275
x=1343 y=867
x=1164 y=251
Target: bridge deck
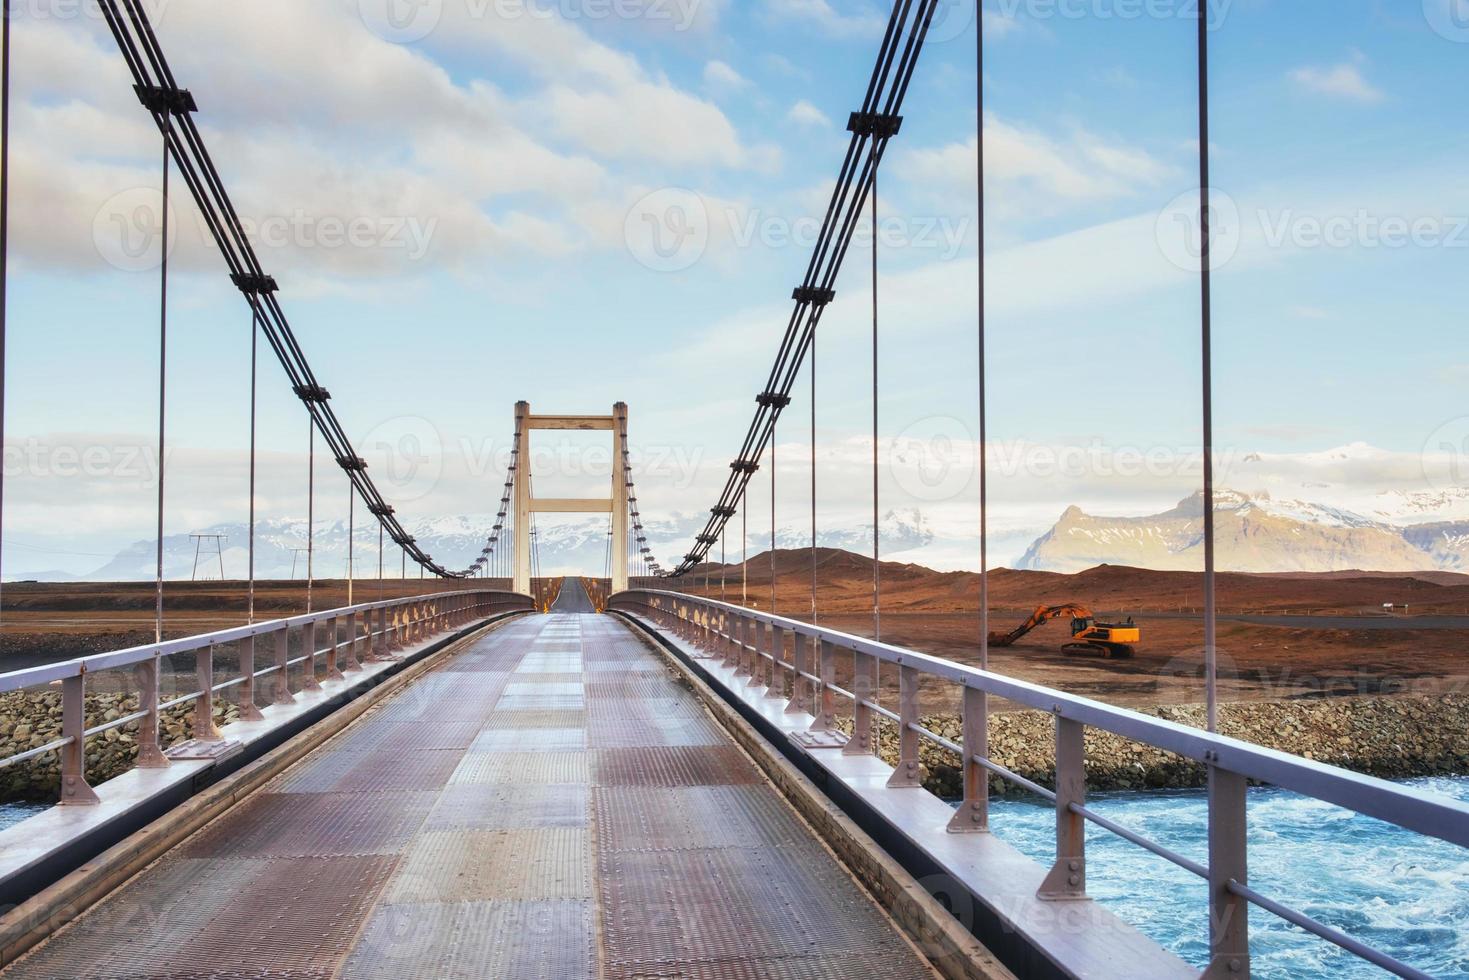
x=549 y=803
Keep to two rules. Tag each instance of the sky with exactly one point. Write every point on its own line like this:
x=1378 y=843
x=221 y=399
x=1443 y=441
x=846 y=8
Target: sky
x=578 y=202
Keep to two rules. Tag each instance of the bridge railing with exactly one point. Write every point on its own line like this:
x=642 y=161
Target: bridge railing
x=754 y=645
x=330 y=645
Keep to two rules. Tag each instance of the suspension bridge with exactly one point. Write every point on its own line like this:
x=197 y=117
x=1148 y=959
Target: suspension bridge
x=522 y=776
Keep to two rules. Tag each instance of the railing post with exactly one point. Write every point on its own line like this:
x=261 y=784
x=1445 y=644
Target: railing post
x=248 y=711
x=283 y=693
x=308 y=640
x=74 y=788
x=1067 y=879
x=1229 y=931
x=742 y=639
x=864 y=686
x=333 y=650
x=825 y=706
x=204 y=728
x=775 y=673
x=800 y=701
x=150 y=754
x=381 y=640
x=973 y=815
x=909 y=773
x=755 y=631
x=354 y=661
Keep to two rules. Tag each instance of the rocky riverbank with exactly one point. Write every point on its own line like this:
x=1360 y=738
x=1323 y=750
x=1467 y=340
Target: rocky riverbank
x=29 y=720
x=1392 y=737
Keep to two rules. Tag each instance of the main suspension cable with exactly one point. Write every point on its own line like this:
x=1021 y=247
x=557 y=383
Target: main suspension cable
x=872 y=129
x=172 y=109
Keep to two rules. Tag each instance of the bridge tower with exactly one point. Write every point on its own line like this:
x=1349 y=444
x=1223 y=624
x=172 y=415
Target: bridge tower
x=526 y=504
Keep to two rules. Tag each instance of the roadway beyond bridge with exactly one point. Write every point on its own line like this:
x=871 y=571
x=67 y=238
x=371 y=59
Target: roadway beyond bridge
x=549 y=803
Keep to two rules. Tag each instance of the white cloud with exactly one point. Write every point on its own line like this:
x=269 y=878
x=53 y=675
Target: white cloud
x=805 y=114
x=1344 y=81
x=998 y=24
x=719 y=75
x=385 y=134
x=1033 y=172
x=822 y=16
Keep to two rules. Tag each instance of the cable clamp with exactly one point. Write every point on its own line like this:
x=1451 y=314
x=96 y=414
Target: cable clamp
x=352 y=464
x=160 y=100
x=249 y=282
x=814 y=295
x=771 y=399
x=878 y=125
x=722 y=511
x=380 y=510
x=745 y=466
x=312 y=393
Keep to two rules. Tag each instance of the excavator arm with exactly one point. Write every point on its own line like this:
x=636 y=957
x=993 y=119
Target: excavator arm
x=1042 y=615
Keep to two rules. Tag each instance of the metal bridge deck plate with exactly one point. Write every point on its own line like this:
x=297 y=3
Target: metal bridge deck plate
x=473 y=806
x=448 y=867
x=672 y=766
x=522 y=768
x=314 y=825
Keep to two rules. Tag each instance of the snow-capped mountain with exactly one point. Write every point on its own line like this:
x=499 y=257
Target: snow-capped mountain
x=1255 y=533
x=564 y=547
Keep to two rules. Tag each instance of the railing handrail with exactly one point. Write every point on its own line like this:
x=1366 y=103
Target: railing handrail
x=47 y=673
x=1429 y=814
x=722 y=627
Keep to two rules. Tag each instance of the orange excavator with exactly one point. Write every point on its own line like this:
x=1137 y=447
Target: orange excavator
x=1087 y=635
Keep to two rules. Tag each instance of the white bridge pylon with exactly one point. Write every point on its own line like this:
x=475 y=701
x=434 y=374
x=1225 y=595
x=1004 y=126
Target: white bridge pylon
x=526 y=504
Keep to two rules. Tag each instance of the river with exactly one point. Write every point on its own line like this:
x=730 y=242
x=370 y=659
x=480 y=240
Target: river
x=1404 y=894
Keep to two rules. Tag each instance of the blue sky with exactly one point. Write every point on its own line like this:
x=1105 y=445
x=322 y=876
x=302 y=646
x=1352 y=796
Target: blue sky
x=520 y=149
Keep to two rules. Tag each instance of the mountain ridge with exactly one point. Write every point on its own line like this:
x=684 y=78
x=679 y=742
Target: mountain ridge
x=1253 y=533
